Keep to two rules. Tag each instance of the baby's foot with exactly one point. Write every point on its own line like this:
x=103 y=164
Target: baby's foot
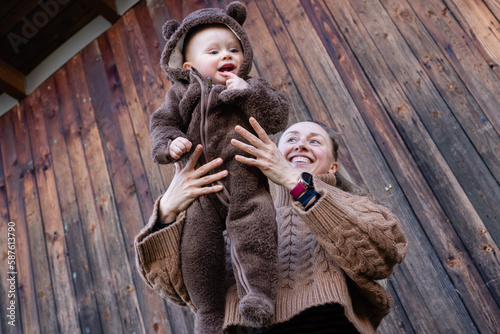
x=257 y=309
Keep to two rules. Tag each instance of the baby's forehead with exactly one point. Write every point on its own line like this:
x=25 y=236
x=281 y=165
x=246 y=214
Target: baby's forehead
x=205 y=31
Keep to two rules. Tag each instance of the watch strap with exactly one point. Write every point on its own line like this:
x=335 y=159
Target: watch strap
x=298 y=190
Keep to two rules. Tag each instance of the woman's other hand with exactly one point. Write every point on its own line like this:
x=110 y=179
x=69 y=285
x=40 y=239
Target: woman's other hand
x=189 y=183
x=268 y=158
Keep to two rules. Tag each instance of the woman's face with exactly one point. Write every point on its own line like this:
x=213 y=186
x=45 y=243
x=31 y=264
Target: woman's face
x=308 y=148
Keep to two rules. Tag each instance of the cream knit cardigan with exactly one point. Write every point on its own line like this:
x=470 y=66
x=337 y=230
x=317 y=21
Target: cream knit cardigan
x=333 y=253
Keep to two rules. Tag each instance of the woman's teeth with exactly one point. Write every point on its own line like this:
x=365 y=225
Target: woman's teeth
x=301 y=159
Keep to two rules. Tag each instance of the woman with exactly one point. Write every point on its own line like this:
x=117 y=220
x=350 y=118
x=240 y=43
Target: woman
x=333 y=244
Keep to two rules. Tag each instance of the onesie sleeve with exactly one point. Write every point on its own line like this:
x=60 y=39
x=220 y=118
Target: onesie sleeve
x=166 y=124
x=158 y=259
x=365 y=239
x=261 y=101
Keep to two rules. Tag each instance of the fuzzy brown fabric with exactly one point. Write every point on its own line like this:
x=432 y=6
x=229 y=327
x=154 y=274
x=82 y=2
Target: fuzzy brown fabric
x=250 y=217
x=332 y=253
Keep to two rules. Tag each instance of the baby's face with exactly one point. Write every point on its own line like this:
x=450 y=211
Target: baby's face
x=213 y=51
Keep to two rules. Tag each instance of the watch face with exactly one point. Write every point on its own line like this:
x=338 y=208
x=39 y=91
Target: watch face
x=307 y=178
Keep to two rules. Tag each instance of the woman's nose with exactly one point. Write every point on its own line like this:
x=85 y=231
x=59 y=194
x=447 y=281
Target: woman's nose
x=300 y=146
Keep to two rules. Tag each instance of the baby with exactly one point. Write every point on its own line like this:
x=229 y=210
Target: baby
x=209 y=57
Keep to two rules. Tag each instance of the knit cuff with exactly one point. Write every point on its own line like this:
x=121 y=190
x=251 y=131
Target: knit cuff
x=152 y=245
x=327 y=215
x=158 y=245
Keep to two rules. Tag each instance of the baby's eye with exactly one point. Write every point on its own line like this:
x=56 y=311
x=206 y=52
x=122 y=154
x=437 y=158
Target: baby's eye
x=234 y=50
x=213 y=52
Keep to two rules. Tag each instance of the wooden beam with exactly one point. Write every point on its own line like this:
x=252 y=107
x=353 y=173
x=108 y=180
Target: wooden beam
x=105 y=8
x=12 y=81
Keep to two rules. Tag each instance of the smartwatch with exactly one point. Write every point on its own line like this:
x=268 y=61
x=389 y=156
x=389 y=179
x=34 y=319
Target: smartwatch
x=305 y=182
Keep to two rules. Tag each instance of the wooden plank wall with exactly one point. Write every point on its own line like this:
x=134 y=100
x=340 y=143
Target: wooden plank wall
x=413 y=87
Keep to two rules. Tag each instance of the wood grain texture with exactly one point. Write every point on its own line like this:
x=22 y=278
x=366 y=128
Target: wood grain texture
x=412 y=87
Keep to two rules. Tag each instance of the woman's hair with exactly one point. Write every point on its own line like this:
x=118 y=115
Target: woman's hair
x=344 y=180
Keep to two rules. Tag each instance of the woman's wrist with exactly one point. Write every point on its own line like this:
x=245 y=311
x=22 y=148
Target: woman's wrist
x=165 y=213
x=168 y=217
x=292 y=180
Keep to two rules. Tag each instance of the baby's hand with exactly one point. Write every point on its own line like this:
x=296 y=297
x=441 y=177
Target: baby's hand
x=178 y=147
x=234 y=81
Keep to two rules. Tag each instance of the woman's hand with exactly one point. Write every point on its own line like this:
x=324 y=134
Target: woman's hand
x=268 y=158
x=188 y=183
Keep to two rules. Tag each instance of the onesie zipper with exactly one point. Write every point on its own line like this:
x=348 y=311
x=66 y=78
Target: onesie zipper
x=224 y=196
x=204 y=108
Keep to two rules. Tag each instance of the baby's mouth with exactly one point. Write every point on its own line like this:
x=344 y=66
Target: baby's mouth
x=227 y=68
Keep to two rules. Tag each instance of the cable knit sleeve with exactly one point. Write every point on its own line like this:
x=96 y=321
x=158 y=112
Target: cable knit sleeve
x=158 y=259
x=365 y=239
x=261 y=101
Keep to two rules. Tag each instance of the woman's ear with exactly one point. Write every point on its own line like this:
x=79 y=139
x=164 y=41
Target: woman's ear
x=333 y=168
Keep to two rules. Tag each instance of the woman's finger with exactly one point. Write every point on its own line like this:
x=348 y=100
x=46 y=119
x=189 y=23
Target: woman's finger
x=245 y=147
x=260 y=131
x=212 y=178
x=204 y=169
x=252 y=139
x=247 y=161
x=194 y=157
x=178 y=167
x=207 y=190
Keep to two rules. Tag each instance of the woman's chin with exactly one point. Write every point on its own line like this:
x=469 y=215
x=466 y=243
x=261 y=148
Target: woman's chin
x=303 y=167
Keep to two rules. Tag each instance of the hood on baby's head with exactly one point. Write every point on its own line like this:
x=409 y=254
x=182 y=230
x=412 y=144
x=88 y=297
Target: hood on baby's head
x=174 y=33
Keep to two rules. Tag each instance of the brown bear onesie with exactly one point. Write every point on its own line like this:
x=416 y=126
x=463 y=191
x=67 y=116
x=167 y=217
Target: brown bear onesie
x=206 y=114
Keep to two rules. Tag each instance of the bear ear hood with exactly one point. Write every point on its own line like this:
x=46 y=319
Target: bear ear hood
x=174 y=32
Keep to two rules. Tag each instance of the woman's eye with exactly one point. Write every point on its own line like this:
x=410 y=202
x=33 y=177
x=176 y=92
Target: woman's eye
x=291 y=140
x=315 y=141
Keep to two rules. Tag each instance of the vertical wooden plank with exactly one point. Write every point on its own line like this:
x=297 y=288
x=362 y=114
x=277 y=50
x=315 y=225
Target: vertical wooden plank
x=305 y=99
x=57 y=251
x=271 y=64
x=150 y=89
x=463 y=55
x=435 y=114
x=460 y=266
x=124 y=134
x=83 y=285
x=124 y=141
x=106 y=204
x=138 y=118
x=145 y=71
x=448 y=135
x=119 y=189
x=151 y=42
x=376 y=175
x=396 y=321
x=87 y=169
x=18 y=167
x=450 y=86
x=159 y=14
x=10 y=318
x=494 y=7
x=481 y=26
